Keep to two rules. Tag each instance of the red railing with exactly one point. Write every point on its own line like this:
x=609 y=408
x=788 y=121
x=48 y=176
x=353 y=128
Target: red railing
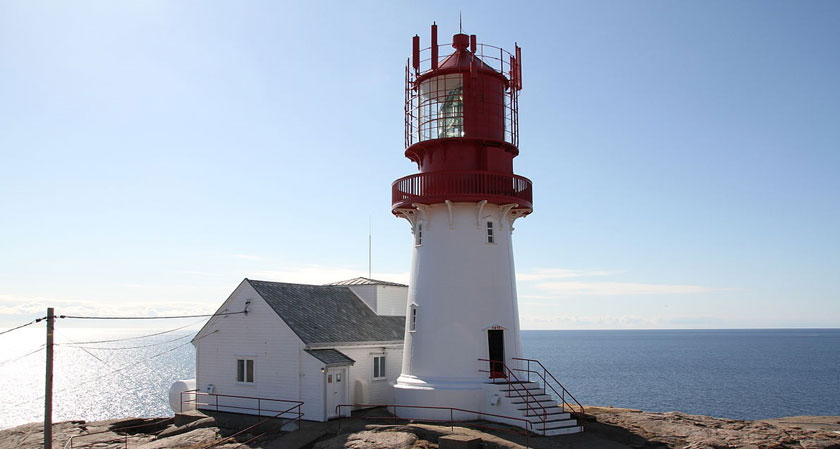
x=467 y=186
x=517 y=386
x=575 y=408
x=262 y=406
x=503 y=62
x=527 y=425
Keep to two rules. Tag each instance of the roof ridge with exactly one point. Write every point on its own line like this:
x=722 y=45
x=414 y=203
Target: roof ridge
x=294 y=283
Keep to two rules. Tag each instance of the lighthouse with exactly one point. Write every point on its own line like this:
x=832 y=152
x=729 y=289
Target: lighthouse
x=462 y=345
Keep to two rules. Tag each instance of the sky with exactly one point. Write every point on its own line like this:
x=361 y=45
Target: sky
x=684 y=155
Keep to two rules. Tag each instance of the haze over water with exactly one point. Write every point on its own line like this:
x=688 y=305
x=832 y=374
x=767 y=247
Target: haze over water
x=743 y=374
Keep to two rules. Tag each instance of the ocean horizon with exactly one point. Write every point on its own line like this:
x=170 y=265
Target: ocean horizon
x=728 y=373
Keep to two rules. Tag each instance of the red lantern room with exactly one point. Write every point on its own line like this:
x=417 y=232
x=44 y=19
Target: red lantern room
x=461 y=126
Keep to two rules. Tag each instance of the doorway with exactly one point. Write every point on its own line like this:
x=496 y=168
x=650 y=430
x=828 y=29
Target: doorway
x=496 y=353
x=336 y=379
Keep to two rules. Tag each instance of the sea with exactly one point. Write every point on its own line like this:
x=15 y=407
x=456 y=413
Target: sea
x=740 y=374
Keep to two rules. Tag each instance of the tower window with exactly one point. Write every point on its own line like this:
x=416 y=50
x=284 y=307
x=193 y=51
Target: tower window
x=440 y=107
x=490 y=236
x=418 y=235
x=412 y=323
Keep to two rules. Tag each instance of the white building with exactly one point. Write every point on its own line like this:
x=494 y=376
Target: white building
x=339 y=344
x=324 y=345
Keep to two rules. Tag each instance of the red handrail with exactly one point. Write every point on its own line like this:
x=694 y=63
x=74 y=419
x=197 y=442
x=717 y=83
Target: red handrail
x=462 y=185
x=528 y=405
x=544 y=378
x=216 y=406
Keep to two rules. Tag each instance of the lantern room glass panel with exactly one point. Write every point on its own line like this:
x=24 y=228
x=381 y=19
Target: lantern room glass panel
x=440 y=107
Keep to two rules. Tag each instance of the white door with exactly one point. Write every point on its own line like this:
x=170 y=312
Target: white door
x=336 y=392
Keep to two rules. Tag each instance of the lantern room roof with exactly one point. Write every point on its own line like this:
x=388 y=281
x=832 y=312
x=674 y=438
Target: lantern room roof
x=462 y=58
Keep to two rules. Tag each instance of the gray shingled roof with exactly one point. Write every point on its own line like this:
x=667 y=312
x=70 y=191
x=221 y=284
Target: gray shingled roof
x=366 y=281
x=328 y=314
x=331 y=357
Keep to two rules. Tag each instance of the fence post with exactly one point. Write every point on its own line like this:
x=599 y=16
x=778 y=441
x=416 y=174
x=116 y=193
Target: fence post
x=451 y=421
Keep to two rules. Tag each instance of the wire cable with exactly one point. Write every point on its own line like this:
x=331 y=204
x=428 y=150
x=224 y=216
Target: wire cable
x=77 y=345
x=25 y=355
x=141 y=336
x=22 y=326
x=98 y=377
x=148 y=317
x=95 y=356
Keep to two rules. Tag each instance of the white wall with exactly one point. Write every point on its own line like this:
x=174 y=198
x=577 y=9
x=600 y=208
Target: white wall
x=261 y=335
x=391 y=300
x=365 y=390
x=462 y=286
x=367 y=293
x=312 y=388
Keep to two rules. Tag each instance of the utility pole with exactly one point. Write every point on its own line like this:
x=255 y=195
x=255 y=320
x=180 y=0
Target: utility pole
x=48 y=388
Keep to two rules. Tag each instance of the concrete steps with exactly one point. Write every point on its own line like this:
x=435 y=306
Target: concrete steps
x=528 y=400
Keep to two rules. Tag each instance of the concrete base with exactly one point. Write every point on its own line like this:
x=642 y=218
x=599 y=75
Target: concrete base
x=459 y=442
x=411 y=391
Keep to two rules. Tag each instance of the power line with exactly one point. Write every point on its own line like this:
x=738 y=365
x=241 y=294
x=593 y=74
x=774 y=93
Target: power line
x=97 y=358
x=147 y=317
x=141 y=336
x=98 y=377
x=21 y=326
x=40 y=348
x=78 y=345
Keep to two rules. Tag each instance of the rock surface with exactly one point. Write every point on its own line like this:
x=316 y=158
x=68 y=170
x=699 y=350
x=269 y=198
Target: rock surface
x=679 y=430
x=605 y=428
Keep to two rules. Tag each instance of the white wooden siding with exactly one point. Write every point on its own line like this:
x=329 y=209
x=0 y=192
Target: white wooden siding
x=312 y=387
x=260 y=335
x=391 y=300
x=365 y=390
x=367 y=293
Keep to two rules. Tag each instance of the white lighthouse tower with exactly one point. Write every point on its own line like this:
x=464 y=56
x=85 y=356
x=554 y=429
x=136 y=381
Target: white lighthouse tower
x=462 y=327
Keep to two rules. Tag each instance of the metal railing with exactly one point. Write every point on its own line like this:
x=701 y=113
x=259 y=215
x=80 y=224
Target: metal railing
x=523 y=393
x=527 y=425
x=575 y=408
x=497 y=59
x=234 y=405
x=437 y=187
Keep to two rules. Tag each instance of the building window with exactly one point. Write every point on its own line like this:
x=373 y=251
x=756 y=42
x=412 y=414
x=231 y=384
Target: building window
x=245 y=371
x=418 y=235
x=490 y=237
x=412 y=323
x=379 y=367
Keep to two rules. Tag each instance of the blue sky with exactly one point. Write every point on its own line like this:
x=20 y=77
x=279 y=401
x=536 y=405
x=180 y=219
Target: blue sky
x=684 y=154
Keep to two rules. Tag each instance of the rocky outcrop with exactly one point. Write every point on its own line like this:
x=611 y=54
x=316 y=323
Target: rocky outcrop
x=636 y=428
x=605 y=428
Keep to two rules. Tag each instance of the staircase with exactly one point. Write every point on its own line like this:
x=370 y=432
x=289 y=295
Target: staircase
x=529 y=395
